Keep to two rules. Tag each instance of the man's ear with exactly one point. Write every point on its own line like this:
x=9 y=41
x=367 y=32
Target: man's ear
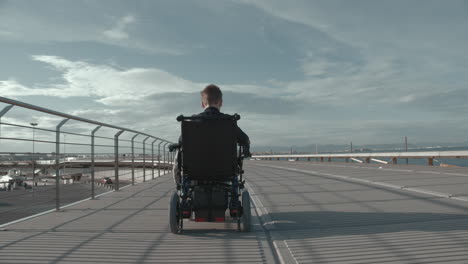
x=221 y=103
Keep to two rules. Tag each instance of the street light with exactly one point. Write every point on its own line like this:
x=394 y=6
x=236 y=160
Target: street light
x=33 y=151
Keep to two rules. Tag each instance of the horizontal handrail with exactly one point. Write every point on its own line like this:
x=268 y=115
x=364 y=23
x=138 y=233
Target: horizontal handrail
x=67 y=143
x=66 y=132
x=72 y=117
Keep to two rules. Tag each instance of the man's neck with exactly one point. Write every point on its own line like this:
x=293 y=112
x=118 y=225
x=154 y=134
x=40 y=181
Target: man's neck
x=215 y=106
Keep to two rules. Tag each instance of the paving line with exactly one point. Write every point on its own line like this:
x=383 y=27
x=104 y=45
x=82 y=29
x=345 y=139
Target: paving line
x=411 y=189
x=284 y=256
x=446 y=173
x=405 y=170
x=460 y=198
x=430 y=172
x=418 y=171
x=65 y=206
x=455 y=174
x=261 y=210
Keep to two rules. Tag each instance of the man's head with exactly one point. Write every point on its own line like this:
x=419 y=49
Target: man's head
x=212 y=96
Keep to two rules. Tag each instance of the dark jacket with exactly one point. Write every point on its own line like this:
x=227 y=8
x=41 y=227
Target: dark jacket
x=242 y=138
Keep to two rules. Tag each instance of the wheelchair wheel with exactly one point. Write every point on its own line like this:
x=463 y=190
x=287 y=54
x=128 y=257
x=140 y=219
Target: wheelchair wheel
x=246 y=214
x=175 y=218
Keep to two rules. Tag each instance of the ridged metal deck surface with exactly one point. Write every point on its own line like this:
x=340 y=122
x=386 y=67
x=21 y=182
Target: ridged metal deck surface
x=310 y=213
x=348 y=213
x=129 y=226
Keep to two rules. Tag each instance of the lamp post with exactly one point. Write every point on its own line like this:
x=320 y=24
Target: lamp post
x=32 y=157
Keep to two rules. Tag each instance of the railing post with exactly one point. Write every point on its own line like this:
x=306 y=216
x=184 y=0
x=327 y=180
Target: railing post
x=133 y=158
x=34 y=182
x=57 y=164
x=164 y=159
x=116 y=153
x=152 y=159
x=144 y=159
x=430 y=161
x=93 y=196
x=159 y=158
x=5 y=110
x=168 y=161
x=171 y=157
x=2 y=113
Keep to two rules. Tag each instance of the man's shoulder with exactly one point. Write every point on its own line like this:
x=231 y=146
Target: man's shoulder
x=211 y=114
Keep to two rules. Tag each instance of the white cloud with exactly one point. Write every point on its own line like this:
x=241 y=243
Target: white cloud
x=407 y=98
x=344 y=84
x=111 y=85
x=118 y=32
x=5 y=33
x=11 y=88
x=376 y=81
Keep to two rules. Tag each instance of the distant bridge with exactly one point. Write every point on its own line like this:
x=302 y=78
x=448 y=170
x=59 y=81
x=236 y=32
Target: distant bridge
x=367 y=157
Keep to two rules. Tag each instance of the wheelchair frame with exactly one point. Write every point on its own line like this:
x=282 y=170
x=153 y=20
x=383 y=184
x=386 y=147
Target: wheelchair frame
x=181 y=205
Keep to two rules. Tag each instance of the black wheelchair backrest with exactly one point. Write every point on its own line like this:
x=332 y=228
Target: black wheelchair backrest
x=209 y=147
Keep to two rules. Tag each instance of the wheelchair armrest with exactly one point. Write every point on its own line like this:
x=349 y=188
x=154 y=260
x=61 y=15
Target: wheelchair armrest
x=174 y=146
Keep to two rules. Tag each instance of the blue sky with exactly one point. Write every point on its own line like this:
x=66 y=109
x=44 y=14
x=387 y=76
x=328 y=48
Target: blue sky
x=299 y=72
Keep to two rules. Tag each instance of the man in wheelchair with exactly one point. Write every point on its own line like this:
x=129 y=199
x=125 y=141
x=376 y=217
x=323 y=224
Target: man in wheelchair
x=208 y=169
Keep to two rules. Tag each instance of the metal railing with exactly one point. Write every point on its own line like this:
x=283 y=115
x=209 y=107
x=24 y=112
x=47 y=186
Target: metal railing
x=367 y=157
x=118 y=159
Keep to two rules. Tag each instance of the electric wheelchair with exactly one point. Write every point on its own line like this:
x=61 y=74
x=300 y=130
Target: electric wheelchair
x=210 y=181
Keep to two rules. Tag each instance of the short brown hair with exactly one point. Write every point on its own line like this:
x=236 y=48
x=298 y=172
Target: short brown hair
x=211 y=95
